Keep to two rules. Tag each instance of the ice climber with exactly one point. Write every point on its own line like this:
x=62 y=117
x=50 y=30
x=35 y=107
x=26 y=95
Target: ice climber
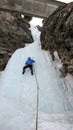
x=28 y=64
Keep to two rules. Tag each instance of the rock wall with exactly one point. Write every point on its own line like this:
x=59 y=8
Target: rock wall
x=14 y=33
x=57 y=34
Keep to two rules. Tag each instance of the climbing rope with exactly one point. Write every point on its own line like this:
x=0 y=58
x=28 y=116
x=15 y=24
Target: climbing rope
x=37 y=103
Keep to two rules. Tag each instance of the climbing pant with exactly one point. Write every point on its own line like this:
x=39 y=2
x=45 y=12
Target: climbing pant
x=28 y=66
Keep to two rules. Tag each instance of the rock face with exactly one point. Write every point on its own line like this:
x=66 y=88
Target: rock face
x=57 y=34
x=14 y=33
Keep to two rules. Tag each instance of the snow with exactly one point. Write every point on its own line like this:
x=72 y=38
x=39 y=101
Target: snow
x=18 y=92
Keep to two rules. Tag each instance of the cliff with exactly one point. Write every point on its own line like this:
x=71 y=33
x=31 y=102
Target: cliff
x=14 y=33
x=57 y=35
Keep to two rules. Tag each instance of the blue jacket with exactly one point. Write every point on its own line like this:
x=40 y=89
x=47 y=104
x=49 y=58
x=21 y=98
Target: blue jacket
x=29 y=61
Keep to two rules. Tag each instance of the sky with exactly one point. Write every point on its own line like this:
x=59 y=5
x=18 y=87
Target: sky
x=36 y=21
x=66 y=1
